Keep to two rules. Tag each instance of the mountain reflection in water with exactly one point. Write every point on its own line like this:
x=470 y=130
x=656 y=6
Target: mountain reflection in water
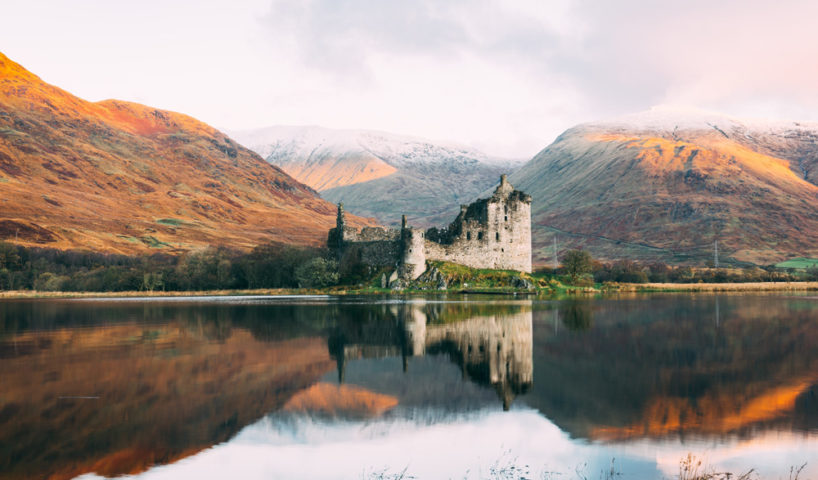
x=119 y=387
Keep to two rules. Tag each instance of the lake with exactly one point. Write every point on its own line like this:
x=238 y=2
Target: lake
x=408 y=387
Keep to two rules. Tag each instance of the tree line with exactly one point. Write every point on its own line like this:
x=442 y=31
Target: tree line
x=580 y=268
x=276 y=265
x=271 y=265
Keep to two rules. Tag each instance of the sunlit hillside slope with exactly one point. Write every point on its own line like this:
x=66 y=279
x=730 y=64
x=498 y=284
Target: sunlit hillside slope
x=122 y=177
x=667 y=184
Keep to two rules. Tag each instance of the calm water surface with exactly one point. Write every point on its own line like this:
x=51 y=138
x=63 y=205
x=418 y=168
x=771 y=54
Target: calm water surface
x=443 y=387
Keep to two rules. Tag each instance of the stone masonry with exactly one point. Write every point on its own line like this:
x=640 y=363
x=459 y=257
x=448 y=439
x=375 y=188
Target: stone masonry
x=493 y=233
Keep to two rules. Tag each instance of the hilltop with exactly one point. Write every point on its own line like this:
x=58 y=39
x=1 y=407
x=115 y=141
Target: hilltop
x=115 y=176
x=667 y=183
x=378 y=174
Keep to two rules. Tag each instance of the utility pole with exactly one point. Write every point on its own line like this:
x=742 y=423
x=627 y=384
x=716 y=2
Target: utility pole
x=716 y=254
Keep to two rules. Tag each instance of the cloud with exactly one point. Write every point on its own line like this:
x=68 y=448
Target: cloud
x=507 y=77
x=549 y=64
x=345 y=35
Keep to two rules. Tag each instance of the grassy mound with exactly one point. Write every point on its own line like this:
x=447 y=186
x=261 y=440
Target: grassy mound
x=451 y=276
x=798 y=263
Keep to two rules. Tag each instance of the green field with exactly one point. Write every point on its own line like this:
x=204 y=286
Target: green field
x=800 y=263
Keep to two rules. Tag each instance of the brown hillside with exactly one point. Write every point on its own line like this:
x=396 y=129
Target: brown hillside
x=660 y=192
x=122 y=177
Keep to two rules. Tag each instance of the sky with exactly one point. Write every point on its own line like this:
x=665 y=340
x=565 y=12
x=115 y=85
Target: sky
x=506 y=77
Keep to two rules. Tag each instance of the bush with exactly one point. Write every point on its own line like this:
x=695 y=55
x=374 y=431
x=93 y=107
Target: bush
x=48 y=282
x=317 y=273
x=626 y=271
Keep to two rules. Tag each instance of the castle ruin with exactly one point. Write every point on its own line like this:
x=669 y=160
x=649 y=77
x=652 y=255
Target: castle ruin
x=493 y=233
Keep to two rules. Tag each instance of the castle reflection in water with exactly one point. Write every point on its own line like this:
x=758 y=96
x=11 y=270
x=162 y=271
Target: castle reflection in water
x=492 y=347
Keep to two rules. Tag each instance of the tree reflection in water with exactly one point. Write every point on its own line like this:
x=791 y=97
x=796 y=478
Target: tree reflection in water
x=576 y=314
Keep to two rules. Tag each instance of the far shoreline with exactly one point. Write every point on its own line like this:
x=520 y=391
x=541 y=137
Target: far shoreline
x=611 y=288
x=714 y=287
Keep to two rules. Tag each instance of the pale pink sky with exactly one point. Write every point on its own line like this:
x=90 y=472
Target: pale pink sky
x=506 y=77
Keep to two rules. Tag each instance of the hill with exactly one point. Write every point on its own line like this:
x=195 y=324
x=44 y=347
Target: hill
x=666 y=184
x=121 y=177
x=380 y=175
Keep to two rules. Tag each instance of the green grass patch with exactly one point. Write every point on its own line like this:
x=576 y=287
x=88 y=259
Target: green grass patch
x=798 y=263
x=129 y=238
x=10 y=132
x=462 y=278
x=153 y=242
x=170 y=222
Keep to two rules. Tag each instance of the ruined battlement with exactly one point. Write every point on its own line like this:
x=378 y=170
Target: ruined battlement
x=493 y=232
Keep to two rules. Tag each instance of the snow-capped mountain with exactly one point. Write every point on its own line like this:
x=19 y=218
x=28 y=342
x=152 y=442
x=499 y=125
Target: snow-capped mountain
x=794 y=141
x=667 y=183
x=380 y=174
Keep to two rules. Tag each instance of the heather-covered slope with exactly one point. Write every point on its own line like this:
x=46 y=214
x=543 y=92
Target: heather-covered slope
x=122 y=177
x=666 y=184
x=379 y=174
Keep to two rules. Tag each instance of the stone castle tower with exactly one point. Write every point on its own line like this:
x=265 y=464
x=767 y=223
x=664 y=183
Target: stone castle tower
x=494 y=233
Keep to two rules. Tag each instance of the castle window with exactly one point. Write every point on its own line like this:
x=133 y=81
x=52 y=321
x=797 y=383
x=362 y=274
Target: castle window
x=479 y=235
x=506 y=217
x=497 y=236
x=468 y=235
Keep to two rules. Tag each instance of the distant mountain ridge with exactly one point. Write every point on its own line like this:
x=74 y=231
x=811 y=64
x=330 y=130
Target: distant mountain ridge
x=115 y=176
x=378 y=174
x=667 y=184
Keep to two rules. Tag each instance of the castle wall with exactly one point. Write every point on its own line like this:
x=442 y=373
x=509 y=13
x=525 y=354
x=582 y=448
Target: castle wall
x=502 y=241
x=374 y=254
x=372 y=246
x=371 y=234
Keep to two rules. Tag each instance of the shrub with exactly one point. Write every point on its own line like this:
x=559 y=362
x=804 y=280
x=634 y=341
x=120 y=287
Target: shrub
x=317 y=273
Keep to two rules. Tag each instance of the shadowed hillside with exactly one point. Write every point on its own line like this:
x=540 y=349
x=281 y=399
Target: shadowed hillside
x=378 y=174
